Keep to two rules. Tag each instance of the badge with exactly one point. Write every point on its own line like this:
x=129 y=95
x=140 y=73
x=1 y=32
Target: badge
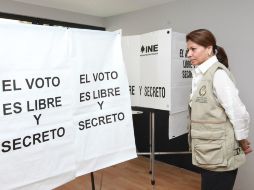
x=202 y=90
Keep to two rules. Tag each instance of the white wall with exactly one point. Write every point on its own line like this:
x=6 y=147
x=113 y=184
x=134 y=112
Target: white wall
x=14 y=7
x=232 y=23
x=230 y=20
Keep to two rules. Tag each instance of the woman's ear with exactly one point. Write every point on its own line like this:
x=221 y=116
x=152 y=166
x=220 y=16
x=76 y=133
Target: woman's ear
x=209 y=50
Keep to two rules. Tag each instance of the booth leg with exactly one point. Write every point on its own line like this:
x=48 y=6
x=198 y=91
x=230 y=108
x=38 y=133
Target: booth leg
x=92 y=181
x=150 y=142
x=153 y=146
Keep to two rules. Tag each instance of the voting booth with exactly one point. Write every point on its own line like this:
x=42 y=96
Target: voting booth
x=159 y=79
x=159 y=74
x=65 y=108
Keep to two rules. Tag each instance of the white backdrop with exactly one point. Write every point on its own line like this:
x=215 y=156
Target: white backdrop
x=64 y=105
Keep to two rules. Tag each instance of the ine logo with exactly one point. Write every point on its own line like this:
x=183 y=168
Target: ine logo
x=149 y=50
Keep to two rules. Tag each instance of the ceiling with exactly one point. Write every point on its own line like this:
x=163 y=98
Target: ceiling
x=100 y=8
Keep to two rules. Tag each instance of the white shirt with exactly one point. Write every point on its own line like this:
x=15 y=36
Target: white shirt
x=227 y=95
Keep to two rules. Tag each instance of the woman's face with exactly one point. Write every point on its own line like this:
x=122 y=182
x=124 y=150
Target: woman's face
x=198 y=54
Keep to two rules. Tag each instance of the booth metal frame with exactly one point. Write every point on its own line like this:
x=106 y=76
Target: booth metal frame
x=152 y=152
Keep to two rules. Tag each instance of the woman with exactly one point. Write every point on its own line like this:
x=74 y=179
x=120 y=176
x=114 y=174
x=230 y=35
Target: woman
x=219 y=120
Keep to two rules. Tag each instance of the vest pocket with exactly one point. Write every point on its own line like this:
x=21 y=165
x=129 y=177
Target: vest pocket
x=209 y=154
x=208 y=147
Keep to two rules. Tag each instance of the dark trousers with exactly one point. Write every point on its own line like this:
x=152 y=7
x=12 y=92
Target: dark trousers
x=211 y=180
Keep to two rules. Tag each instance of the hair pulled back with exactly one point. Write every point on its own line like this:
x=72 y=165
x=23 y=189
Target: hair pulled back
x=205 y=38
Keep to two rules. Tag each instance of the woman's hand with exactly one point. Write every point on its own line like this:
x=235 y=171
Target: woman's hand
x=245 y=144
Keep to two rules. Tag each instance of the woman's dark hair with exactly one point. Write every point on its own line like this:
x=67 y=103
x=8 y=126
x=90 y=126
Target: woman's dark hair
x=205 y=38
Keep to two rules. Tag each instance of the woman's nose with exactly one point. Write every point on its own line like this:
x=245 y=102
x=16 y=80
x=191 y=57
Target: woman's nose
x=189 y=54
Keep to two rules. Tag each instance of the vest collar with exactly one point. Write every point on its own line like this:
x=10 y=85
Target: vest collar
x=203 y=67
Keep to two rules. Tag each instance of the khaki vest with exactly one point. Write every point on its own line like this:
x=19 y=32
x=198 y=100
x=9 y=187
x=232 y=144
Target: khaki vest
x=213 y=142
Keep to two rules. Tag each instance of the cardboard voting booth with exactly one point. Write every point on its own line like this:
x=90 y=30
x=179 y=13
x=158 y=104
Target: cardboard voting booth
x=159 y=74
x=65 y=107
